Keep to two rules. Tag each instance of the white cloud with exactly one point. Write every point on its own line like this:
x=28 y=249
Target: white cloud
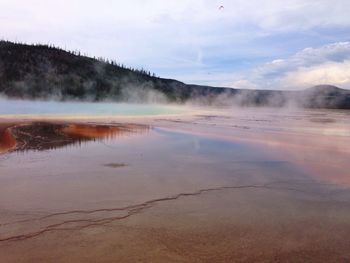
x=336 y=52
x=334 y=73
x=329 y=64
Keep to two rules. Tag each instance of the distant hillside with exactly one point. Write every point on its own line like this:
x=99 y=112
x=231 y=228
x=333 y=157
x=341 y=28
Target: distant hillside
x=324 y=96
x=44 y=72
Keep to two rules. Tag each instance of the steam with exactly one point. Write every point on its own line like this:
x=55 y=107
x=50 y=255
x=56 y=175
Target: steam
x=46 y=83
x=323 y=96
x=133 y=94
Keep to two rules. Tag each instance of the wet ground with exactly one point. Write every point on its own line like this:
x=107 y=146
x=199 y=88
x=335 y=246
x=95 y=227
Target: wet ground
x=252 y=186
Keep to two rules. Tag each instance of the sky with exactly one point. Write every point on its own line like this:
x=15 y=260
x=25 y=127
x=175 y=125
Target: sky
x=255 y=44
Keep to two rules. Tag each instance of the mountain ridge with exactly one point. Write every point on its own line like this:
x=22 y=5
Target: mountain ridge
x=47 y=72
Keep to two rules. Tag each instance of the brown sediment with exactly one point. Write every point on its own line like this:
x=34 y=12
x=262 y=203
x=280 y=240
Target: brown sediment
x=49 y=135
x=115 y=165
x=130 y=210
x=7 y=140
x=323 y=120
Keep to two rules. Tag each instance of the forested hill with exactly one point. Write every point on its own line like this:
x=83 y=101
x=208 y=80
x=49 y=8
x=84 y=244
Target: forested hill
x=47 y=72
x=41 y=71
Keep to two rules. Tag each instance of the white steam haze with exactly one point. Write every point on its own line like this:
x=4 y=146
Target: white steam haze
x=273 y=44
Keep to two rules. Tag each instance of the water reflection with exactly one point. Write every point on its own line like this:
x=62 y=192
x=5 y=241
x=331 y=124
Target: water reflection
x=40 y=136
x=103 y=131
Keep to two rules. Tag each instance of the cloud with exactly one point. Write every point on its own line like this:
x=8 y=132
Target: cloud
x=244 y=84
x=187 y=37
x=334 y=73
x=335 y=52
x=329 y=64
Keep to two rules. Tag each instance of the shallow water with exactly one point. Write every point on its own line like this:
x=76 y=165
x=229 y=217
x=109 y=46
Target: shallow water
x=255 y=186
x=166 y=162
x=52 y=108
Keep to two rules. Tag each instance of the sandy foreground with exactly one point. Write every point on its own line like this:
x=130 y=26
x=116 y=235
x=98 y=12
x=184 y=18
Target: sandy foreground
x=239 y=186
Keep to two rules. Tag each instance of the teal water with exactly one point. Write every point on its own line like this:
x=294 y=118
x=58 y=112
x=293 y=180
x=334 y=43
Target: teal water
x=20 y=107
